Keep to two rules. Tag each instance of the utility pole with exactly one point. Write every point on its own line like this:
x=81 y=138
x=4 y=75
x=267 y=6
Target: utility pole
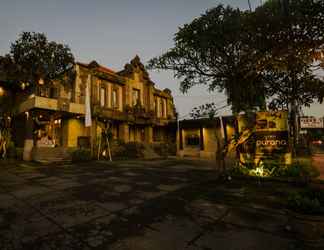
x=250 y=6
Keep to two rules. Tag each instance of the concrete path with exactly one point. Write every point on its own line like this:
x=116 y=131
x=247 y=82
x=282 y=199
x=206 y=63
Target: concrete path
x=141 y=205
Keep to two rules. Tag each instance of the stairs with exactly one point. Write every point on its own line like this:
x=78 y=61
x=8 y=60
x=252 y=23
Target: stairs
x=50 y=155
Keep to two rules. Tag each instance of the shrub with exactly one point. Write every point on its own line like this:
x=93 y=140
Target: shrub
x=11 y=151
x=19 y=153
x=304 y=203
x=297 y=169
x=131 y=150
x=81 y=155
x=239 y=171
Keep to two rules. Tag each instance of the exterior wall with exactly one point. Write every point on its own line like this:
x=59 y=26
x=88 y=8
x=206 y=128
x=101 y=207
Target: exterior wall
x=72 y=102
x=72 y=129
x=210 y=138
x=189 y=151
x=211 y=135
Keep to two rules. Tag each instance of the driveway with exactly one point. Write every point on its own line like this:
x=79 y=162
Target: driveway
x=140 y=205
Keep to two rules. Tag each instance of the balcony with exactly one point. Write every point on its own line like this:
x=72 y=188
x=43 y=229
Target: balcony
x=59 y=104
x=108 y=113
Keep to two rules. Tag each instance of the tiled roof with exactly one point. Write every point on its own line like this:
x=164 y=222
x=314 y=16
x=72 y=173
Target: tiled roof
x=98 y=67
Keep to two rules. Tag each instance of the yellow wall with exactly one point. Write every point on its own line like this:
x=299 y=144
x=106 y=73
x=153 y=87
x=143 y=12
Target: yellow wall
x=211 y=135
x=72 y=129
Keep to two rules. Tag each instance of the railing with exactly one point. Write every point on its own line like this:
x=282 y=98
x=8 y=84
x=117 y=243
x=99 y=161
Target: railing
x=48 y=92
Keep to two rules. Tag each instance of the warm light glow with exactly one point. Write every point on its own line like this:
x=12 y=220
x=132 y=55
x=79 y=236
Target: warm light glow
x=1 y=91
x=27 y=114
x=57 y=121
x=41 y=81
x=23 y=86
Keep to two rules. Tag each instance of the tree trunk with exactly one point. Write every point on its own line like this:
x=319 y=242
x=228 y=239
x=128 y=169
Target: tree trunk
x=293 y=124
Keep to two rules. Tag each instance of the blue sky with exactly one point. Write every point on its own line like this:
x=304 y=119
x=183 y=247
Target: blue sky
x=112 y=32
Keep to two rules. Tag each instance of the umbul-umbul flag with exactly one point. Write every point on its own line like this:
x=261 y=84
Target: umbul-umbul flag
x=88 y=121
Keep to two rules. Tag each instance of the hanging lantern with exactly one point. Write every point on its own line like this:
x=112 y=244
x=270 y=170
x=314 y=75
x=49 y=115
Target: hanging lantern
x=41 y=81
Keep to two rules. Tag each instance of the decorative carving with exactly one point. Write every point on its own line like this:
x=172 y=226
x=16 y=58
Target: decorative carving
x=134 y=66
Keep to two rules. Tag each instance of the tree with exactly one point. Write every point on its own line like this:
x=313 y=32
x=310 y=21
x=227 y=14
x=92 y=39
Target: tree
x=37 y=58
x=291 y=34
x=32 y=60
x=214 y=50
x=266 y=54
x=208 y=110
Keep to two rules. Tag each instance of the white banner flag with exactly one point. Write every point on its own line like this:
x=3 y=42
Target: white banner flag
x=88 y=121
x=222 y=127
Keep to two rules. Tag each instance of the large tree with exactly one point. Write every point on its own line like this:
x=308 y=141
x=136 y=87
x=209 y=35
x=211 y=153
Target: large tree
x=291 y=36
x=214 y=50
x=255 y=55
x=32 y=60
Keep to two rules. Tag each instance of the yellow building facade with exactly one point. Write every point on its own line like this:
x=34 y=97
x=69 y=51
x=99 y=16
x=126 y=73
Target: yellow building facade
x=127 y=101
x=203 y=138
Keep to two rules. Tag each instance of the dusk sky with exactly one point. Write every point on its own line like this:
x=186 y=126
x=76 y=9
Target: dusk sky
x=113 y=32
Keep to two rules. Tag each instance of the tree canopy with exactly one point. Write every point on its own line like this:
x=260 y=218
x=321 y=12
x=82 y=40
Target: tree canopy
x=32 y=57
x=252 y=56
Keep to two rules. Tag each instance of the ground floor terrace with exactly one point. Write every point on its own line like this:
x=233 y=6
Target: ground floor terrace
x=38 y=129
x=170 y=204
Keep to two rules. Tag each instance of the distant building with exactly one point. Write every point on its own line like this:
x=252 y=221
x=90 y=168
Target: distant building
x=203 y=138
x=54 y=116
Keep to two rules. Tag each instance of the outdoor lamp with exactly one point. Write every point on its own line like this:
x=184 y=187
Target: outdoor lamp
x=2 y=92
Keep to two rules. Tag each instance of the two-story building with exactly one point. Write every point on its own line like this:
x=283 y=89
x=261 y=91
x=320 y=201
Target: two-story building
x=128 y=100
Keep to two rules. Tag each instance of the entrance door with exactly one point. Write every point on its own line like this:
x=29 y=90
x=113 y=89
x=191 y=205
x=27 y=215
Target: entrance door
x=49 y=133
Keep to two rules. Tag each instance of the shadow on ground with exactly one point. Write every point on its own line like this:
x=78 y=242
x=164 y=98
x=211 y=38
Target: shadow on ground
x=143 y=205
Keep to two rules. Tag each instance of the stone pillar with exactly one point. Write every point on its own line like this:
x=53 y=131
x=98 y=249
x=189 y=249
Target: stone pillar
x=201 y=133
x=93 y=137
x=149 y=134
x=124 y=132
x=29 y=140
x=180 y=139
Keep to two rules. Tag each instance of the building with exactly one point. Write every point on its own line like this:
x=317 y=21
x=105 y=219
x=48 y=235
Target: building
x=128 y=101
x=203 y=138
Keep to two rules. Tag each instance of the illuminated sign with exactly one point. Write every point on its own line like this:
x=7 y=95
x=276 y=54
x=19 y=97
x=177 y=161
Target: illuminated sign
x=311 y=122
x=269 y=141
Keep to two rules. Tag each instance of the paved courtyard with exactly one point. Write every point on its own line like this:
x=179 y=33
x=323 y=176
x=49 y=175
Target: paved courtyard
x=142 y=205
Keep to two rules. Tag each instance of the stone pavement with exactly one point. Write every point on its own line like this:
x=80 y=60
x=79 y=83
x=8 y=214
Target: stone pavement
x=142 y=205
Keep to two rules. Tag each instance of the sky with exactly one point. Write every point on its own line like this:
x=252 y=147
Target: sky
x=112 y=32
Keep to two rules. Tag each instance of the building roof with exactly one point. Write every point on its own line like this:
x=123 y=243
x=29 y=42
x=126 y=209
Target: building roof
x=205 y=122
x=96 y=65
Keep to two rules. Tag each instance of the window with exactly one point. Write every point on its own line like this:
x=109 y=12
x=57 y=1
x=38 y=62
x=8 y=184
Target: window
x=49 y=92
x=102 y=96
x=114 y=98
x=156 y=106
x=136 y=97
x=192 y=140
x=162 y=108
